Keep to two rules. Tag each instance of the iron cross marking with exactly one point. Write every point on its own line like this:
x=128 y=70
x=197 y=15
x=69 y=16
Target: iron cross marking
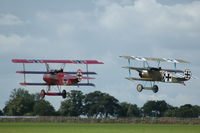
x=187 y=74
x=168 y=77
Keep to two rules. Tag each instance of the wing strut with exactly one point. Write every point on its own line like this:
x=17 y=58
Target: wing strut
x=129 y=71
x=47 y=67
x=63 y=66
x=175 y=65
x=24 y=73
x=158 y=64
x=87 y=73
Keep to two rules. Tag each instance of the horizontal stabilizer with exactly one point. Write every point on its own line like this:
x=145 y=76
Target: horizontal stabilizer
x=87 y=78
x=68 y=77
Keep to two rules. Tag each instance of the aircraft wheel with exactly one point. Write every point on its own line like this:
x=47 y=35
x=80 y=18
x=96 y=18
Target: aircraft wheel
x=139 y=87
x=42 y=94
x=64 y=93
x=155 y=88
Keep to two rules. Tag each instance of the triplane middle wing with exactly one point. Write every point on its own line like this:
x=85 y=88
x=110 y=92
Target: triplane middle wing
x=156 y=74
x=58 y=77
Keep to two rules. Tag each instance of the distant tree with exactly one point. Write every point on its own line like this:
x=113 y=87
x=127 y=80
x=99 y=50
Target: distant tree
x=196 y=107
x=19 y=93
x=73 y=105
x=171 y=112
x=1 y=113
x=162 y=106
x=187 y=111
x=43 y=108
x=129 y=110
x=155 y=108
x=20 y=103
x=98 y=104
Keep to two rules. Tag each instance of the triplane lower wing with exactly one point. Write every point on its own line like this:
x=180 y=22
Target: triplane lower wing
x=58 y=77
x=156 y=74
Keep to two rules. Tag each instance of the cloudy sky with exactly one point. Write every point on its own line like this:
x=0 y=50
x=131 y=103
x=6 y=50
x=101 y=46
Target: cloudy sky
x=102 y=30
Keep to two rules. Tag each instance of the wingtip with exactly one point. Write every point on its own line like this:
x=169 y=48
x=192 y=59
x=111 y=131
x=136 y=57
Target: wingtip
x=13 y=60
x=22 y=84
x=21 y=72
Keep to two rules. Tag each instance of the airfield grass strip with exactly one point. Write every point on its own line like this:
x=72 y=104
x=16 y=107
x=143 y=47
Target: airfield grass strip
x=21 y=127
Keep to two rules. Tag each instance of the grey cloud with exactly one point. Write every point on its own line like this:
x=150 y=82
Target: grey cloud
x=9 y=20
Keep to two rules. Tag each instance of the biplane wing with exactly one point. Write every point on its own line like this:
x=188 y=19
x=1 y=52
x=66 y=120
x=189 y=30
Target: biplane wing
x=43 y=72
x=68 y=77
x=45 y=84
x=57 y=61
x=154 y=59
x=173 y=70
x=136 y=68
x=139 y=79
x=153 y=68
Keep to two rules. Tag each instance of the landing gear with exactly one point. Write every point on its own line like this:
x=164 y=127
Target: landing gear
x=42 y=94
x=139 y=88
x=64 y=94
x=155 y=89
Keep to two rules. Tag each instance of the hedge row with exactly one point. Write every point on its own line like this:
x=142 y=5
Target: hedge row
x=143 y=120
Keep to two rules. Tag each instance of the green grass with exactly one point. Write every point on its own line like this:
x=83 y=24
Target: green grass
x=95 y=128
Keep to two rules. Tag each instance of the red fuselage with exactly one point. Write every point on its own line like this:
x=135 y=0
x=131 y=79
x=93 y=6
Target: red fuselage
x=60 y=79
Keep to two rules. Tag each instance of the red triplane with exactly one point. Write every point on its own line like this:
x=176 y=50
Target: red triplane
x=58 y=77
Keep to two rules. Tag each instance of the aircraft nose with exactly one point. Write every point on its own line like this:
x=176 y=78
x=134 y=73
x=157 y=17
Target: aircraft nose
x=46 y=77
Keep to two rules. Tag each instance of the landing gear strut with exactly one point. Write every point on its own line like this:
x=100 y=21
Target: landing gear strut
x=43 y=93
x=140 y=88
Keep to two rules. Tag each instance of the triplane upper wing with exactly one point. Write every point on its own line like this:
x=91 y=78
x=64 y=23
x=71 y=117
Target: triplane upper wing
x=151 y=74
x=57 y=61
x=154 y=59
x=53 y=77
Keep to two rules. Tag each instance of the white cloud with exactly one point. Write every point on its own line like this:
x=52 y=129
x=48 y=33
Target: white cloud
x=11 y=43
x=15 y=43
x=150 y=17
x=10 y=19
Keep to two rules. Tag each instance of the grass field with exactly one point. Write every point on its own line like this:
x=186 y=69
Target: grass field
x=95 y=128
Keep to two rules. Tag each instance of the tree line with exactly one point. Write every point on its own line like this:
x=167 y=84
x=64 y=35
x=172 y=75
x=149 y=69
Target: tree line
x=94 y=104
